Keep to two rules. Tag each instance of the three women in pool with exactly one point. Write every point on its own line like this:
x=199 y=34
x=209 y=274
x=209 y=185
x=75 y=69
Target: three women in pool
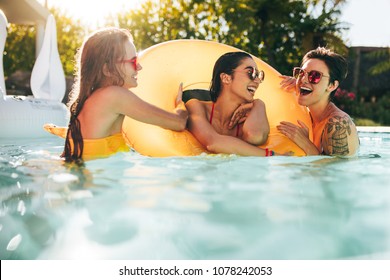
x=334 y=133
x=107 y=68
x=100 y=99
x=235 y=79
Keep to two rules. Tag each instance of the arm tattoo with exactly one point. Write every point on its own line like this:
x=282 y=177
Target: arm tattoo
x=338 y=130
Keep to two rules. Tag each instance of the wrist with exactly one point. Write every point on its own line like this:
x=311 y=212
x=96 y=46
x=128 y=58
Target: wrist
x=269 y=152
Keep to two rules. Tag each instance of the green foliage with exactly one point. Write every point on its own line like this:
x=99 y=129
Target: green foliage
x=273 y=32
x=345 y=100
x=383 y=65
x=70 y=35
x=365 y=122
x=277 y=31
x=382 y=110
x=378 y=111
x=19 y=50
x=160 y=21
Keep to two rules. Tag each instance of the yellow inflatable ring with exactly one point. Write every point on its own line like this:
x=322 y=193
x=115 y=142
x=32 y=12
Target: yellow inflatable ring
x=168 y=64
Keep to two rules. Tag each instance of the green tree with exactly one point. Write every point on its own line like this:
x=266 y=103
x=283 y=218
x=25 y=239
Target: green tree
x=281 y=31
x=19 y=50
x=160 y=21
x=70 y=35
x=271 y=30
x=383 y=65
x=321 y=25
x=277 y=31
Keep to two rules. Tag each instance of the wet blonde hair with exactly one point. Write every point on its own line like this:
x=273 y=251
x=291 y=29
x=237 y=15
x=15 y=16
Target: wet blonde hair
x=101 y=50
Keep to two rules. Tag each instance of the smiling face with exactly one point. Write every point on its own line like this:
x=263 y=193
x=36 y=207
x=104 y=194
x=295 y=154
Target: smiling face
x=242 y=83
x=224 y=69
x=310 y=93
x=129 y=67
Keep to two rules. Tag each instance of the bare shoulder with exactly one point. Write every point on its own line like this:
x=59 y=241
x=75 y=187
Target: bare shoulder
x=259 y=104
x=195 y=106
x=340 y=135
x=113 y=96
x=111 y=91
x=259 y=101
x=108 y=93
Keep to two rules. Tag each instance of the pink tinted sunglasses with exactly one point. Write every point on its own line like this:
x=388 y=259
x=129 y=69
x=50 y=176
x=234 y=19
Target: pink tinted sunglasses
x=132 y=61
x=313 y=76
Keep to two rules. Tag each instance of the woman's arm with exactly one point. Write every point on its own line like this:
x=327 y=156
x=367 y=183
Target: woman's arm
x=256 y=127
x=129 y=104
x=340 y=137
x=254 y=119
x=200 y=127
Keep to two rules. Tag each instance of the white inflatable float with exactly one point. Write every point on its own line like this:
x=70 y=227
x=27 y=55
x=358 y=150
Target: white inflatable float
x=24 y=117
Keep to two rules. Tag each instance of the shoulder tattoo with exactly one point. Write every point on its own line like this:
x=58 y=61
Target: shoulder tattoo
x=338 y=129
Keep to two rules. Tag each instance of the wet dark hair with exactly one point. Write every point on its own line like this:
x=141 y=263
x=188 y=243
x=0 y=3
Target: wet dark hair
x=225 y=64
x=337 y=64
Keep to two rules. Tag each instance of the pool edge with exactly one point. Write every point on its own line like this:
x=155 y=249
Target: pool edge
x=378 y=129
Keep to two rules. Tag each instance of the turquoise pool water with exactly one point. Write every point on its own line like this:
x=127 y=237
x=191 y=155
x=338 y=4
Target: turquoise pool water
x=206 y=207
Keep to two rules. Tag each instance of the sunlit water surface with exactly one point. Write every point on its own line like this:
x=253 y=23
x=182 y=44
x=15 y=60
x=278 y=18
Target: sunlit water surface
x=205 y=207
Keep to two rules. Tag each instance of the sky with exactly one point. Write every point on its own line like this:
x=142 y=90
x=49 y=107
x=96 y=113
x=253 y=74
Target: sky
x=369 y=20
x=91 y=12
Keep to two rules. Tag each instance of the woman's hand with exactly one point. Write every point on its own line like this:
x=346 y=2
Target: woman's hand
x=299 y=134
x=240 y=114
x=179 y=97
x=288 y=83
x=180 y=108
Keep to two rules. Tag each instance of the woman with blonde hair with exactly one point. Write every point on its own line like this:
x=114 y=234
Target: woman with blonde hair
x=107 y=68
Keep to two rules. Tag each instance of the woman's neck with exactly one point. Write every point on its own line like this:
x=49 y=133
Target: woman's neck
x=319 y=111
x=226 y=104
x=224 y=108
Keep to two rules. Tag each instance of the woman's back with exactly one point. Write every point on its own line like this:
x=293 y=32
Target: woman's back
x=98 y=117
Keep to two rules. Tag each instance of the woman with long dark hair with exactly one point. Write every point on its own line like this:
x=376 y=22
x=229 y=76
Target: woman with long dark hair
x=235 y=80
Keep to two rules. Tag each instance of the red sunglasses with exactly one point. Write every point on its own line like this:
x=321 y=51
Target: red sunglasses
x=313 y=76
x=253 y=74
x=132 y=61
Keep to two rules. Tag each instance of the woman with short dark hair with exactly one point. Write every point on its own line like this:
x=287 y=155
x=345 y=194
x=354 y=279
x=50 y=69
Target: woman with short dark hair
x=334 y=132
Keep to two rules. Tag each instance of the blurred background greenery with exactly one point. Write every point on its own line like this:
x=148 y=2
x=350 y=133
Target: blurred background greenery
x=279 y=32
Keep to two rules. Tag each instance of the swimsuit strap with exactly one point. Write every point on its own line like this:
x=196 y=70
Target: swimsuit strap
x=211 y=120
x=212 y=113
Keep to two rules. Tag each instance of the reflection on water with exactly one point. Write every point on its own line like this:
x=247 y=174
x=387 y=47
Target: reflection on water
x=206 y=207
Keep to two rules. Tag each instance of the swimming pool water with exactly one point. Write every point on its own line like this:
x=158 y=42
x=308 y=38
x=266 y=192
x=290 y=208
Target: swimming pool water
x=205 y=207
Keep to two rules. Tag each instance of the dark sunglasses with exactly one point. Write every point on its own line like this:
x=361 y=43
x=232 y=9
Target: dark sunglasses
x=132 y=61
x=253 y=74
x=313 y=76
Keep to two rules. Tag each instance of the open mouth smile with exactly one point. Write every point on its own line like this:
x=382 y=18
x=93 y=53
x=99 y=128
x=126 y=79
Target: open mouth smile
x=305 y=90
x=252 y=90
